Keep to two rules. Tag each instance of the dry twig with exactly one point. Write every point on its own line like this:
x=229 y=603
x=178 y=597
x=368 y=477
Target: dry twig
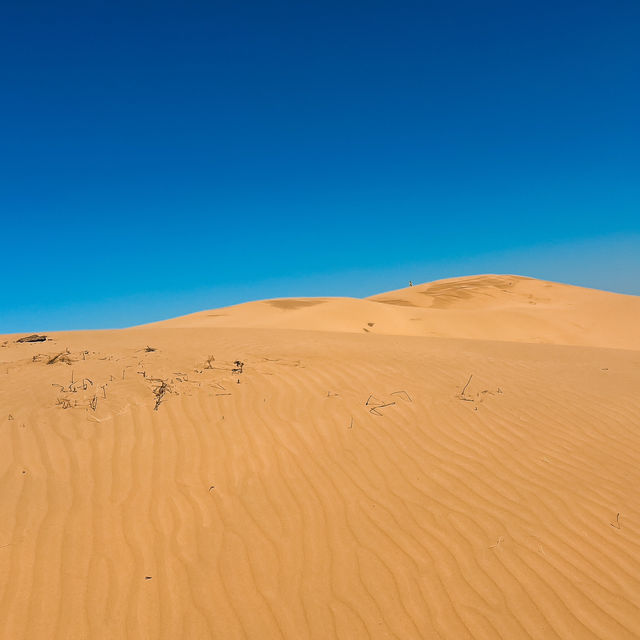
x=238 y=368
x=375 y=411
x=160 y=391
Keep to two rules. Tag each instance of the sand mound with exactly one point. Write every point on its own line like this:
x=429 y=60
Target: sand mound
x=488 y=307
x=193 y=480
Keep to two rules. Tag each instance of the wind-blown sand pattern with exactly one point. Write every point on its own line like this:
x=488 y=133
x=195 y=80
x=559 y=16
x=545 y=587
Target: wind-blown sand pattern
x=456 y=460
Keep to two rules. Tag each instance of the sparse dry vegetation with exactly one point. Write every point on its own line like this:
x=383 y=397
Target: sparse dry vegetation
x=63 y=356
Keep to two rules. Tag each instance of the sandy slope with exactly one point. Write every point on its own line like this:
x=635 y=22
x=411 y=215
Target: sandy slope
x=482 y=307
x=285 y=502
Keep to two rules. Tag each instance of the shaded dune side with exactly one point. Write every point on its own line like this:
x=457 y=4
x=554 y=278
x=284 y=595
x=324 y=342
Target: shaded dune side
x=289 y=509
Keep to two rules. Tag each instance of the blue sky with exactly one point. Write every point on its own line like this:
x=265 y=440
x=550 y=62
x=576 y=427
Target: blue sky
x=161 y=158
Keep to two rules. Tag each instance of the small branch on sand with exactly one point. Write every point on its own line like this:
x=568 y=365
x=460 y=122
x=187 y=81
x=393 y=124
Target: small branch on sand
x=63 y=356
x=160 y=392
x=402 y=394
x=375 y=411
x=616 y=524
x=461 y=395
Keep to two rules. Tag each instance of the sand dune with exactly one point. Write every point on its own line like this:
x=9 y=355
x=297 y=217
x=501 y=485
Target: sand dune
x=360 y=475
x=509 y=308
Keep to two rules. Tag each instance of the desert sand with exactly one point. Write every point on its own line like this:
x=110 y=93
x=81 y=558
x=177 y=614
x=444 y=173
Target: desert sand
x=459 y=459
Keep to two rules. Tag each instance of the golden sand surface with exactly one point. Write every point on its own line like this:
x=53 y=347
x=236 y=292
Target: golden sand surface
x=459 y=459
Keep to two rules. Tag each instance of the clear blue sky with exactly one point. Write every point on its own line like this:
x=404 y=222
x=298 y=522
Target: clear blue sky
x=160 y=158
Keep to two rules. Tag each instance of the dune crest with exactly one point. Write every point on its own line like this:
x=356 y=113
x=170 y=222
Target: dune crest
x=327 y=468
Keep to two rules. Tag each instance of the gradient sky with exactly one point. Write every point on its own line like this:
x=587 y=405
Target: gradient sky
x=161 y=158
